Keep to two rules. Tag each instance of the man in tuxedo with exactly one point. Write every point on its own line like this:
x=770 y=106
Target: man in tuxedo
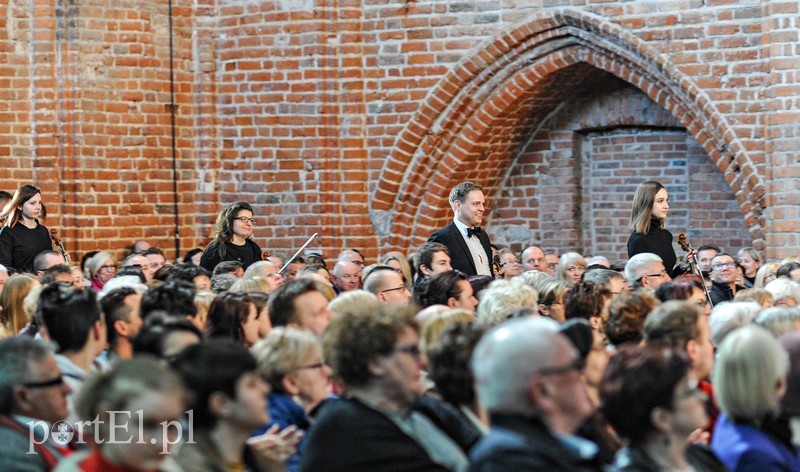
x=469 y=246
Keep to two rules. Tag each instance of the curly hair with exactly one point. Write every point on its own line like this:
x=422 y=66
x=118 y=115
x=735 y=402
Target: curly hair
x=626 y=316
x=585 y=300
x=352 y=340
x=223 y=229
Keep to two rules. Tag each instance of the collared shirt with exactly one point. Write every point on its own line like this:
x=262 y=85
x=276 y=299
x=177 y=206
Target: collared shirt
x=479 y=256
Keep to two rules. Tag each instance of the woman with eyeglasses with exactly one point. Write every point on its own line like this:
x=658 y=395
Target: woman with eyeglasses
x=649 y=398
x=102 y=266
x=232 y=238
x=650 y=207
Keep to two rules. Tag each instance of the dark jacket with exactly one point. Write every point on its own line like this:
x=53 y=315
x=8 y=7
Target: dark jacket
x=525 y=444
x=636 y=460
x=720 y=293
x=350 y=436
x=246 y=254
x=657 y=241
x=460 y=257
x=20 y=245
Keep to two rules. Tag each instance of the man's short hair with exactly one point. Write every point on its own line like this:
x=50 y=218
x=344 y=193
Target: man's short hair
x=673 y=324
x=281 y=302
x=69 y=314
x=154 y=250
x=602 y=276
x=176 y=297
x=507 y=359
x=19 y=358
x=115 y=309
x=39 y=260
x=460 y=191
x=50 y=274
x=634 y=269
x=354 y=339
x=209 y=367
x=187 y=272
x=222 y=282
x=227 y=267
x=785 y=270
x=372 y=277
x=707 y=247
x=442 y=287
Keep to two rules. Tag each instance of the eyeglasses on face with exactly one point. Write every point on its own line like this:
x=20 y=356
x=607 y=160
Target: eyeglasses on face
x=245 y=219
x=663 y=273
x=402 y=287
x=45 y=383
x=724 y=265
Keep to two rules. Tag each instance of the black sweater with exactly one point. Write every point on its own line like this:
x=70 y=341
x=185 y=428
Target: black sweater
x=246 y=254
x=20 y=245
x=657 y=241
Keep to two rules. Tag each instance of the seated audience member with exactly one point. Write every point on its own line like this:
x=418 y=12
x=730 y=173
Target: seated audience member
x=397 y=261
x=723 y=278
x=689 y=289
x=290 y=361
x=129 y=271
x=600 y=261
x=726 y=317
x=610 y=279
x=175 y=297
x=300 y=304
x=384 y=422
x=705 y=256
x=32 y=389
x=138 y=247
x=626 y=317
x=267 y=271
x=433 y=326
x=165 y=337
x=234 y=268
x=758 y=295
x=346 y=276
x=449 y=369
x=102 y=266
x=229 y=402
x=122 y=309
x=232 y=238
x=508 y=263
x=154 y=400
x=785 y=292
x=589 y=301
x=552 y=294
x=74 y=321
x=222 y=282
x=352 y=255
x=652 y=402
x=233 y=316
x=387 y=284
x=552 y=262
x=77 y=278
x=142 y=263
x=316 y=272
x=295 y=266
x=199 y=277
x=123 y=281
x=261 y=301
x=571 y=267
x=85 y=262
x=790 y=403
x=779 y=321
x=4 y=275
x=646 y=270
x=193 y=256
x=278 y=258
x=528 y=378
x=57 y=273
x=750 y=261
x=451 y=289
x=352 y=301
x=156 y=258
x=750 y=379
x=533 y=258
x=501 y=299
x=682 y=326
x=789 y=270
x=202 y=301
x=766 y=274
x=45 y=260
x=11 y=299
x=430 y=259
x=479 y=284
x=254 y=284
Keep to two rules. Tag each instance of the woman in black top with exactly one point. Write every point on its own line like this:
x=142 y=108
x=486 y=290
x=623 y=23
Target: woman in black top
x=22 y=237
x=650 y=207
x=232 y=238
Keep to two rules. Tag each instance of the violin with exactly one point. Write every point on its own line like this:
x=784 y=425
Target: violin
x=265 y=255
x=684 y=244
x=57 y=241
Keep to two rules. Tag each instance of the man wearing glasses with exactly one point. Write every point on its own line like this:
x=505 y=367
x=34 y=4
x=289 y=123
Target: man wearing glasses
x=646 y=270
x=723 y=278
x=387 y=284
x=33 y=393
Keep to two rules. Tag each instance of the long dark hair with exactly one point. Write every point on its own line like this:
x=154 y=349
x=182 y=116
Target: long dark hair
x=223 y=230
x=226 y=315
x=11 y=213
x=642 y=211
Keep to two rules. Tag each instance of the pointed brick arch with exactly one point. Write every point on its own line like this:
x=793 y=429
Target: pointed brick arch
x=474 y=119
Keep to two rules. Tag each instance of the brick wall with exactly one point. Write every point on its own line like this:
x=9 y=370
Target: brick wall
x=353 y=118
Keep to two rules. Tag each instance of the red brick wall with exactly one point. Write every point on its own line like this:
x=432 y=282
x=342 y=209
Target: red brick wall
x=353 y=118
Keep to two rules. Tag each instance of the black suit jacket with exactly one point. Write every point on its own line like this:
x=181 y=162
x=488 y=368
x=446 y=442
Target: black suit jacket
x=460 y=257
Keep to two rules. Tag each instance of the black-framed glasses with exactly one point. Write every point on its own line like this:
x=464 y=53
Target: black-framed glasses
x=45 y=383
x=245 y=219
x=724 y=265
x=660 y=274
x=412 y=349
x=402 y=287
x=576 y=365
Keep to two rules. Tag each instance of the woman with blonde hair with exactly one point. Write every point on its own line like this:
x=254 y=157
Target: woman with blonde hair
x=766 y=274
x=102 y=266
x=750 y=261
x=648 y=216
x=12 y=300
x=571 y=267
x=551 y=299
x=398 y=262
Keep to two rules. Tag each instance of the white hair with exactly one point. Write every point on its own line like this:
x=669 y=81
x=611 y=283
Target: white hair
x=779 y=320
x=507 y=358
x=258 y=269
x=634 y=269
x=728 y=316
x=3 y=268
x=783 y=288
x=132 y=281
x=501 y=298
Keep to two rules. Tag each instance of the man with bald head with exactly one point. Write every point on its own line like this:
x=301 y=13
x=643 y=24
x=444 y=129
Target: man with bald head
x=533 y=259
x=387 y=284
x=346 y=276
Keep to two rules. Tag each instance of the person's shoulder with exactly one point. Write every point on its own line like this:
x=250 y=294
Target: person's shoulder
x=443 y=232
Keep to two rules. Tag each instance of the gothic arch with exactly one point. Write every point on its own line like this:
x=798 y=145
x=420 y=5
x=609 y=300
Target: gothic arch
x=471 y=122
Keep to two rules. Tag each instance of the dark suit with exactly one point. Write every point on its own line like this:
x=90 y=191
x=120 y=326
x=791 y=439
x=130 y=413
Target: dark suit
x=460 y=257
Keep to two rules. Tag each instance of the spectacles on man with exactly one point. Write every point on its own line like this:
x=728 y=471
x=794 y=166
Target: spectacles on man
x=245 y=219
x=662 y=274
x=724 y=265
x=402 y=287
x=45 y=383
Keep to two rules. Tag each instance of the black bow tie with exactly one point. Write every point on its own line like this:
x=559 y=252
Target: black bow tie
x=476 y=231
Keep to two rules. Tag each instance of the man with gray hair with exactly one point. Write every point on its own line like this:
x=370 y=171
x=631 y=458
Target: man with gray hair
x=646 y=270
x=33 y=397
x=528 y=376
x=785 y=292
x=610 y=279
